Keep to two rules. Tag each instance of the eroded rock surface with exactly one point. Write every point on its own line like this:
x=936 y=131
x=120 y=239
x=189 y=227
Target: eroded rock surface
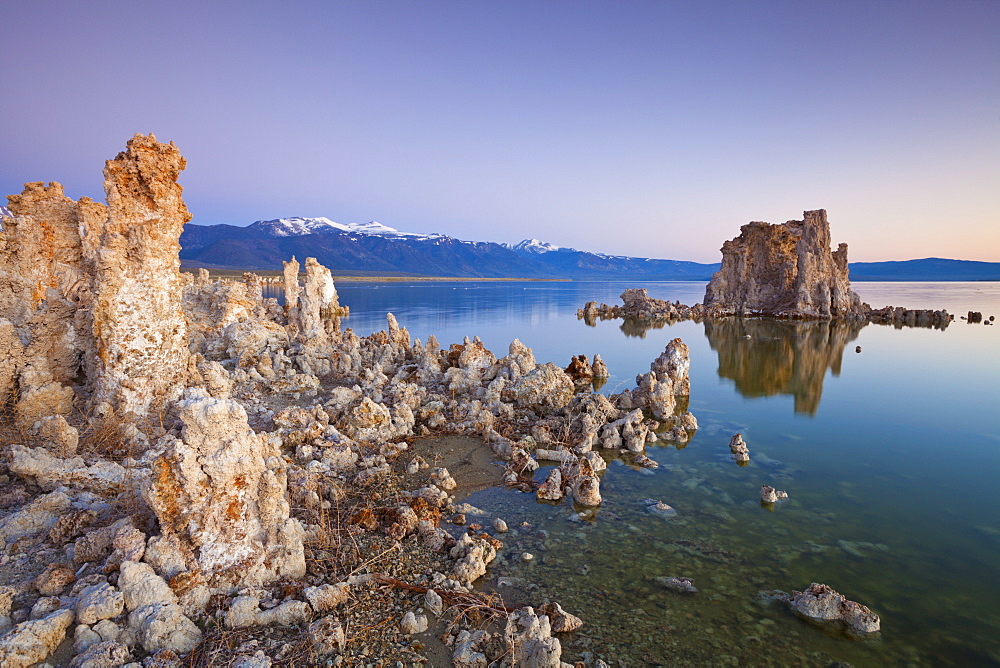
x=784 y=270
x=140 y=334
x=31 y=641
x=221 y=489
x=820 y=603
x=91 y=287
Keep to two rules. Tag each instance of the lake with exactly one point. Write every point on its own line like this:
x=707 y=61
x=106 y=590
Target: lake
x=890 y=457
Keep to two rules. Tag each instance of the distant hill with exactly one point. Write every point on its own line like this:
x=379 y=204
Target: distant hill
x=376 y=249
x=927 y=269
x=373 y=248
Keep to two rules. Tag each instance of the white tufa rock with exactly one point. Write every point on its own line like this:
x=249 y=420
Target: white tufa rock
x=30 y=642
x=221 y=491
x=413 y=623
x=769 y=494
x=328 y=596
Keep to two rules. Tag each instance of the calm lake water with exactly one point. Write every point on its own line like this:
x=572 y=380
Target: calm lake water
x=890 y=458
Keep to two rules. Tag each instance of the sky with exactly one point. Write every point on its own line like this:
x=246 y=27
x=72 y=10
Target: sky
x=652 y=129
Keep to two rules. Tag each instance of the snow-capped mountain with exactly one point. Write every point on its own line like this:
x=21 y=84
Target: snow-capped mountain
x=294 y=227
x=536 y=246
x=374 y=248
x=297 y=226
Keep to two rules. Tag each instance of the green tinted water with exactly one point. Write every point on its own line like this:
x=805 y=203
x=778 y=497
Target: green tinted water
x=890 y=457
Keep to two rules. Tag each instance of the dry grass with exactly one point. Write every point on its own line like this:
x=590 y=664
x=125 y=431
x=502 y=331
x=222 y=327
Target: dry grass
x=220 y=646
x=339 y=549
x=105 y=437
x=11 y=429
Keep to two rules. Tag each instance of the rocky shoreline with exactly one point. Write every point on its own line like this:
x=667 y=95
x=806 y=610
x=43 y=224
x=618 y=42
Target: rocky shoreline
x=185 y=460
x=193 y=474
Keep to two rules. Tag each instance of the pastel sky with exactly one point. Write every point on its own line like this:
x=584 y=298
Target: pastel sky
x=651 y=129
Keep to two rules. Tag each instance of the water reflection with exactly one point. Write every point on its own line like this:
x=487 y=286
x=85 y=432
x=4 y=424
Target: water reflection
x=637 y=328
x=766 y=357
x=632 y=327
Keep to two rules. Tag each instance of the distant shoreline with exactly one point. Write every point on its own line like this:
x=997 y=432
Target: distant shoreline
x=273 y=273
x=237 y=273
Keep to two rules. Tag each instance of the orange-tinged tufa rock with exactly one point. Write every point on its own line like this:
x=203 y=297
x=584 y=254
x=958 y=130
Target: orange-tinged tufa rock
x=784 y=270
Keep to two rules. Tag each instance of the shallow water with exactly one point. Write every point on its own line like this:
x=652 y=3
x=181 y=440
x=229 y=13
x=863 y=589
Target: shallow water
x=889 y=456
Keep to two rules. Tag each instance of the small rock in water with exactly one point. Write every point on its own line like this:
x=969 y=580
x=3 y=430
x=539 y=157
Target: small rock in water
x=769 y=494
x=678 y=585
x=645 y=462
x=857 y=349
x=820 y=603
x=527 y=556
x=660 y=509
x=552 y=488
x=738 y=448
x=500 y=525
x=562 y=621
x=469 y=509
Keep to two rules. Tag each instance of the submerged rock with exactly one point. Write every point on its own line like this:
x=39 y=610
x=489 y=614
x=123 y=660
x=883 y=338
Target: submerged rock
x=678 y=585
x=659 y=509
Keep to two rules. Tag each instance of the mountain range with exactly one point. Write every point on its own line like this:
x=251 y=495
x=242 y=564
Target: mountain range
x=374 y=249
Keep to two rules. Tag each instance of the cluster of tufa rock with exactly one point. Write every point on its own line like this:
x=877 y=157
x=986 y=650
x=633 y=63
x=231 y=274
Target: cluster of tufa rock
x=738 y=450
x=784 y=271
x=233 y=420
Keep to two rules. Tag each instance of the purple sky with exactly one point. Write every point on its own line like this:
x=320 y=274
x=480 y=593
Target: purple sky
x=639 y=128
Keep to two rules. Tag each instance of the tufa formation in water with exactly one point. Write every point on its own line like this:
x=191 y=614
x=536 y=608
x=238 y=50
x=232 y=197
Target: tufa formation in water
x=781 y=271
x=785 y=271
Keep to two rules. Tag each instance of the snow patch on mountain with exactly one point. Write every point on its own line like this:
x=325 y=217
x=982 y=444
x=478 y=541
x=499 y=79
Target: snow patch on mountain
x=296 y=227
x=299 y=226
x=536 y=246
